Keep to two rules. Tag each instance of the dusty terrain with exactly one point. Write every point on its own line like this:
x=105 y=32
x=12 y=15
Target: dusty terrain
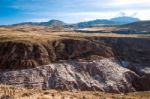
x=141 y=28
x=34 y=46
x=41 y=57
x=9 y=92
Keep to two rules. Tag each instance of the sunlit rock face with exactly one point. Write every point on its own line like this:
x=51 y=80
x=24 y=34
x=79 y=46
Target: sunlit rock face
x=104 y=75
x=107 y=64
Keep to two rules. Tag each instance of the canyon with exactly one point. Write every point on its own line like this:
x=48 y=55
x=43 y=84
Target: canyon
x=36 y=58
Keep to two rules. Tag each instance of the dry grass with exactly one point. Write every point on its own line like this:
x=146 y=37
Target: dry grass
x=22 y=93
x=43 y=34
x=99 y=28
x=36 y=36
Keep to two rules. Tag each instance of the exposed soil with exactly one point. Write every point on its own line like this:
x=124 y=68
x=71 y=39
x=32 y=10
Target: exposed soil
x=74 y=61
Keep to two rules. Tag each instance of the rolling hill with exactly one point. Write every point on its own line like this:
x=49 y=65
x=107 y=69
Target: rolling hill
x=113 y=21
x=141 y=27
x=97 y=22
x=51 y=23
x=124 y=20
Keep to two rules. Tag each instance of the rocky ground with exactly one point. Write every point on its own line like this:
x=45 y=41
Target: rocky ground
x=104 y=75
x=36 y=58
x=11 y=92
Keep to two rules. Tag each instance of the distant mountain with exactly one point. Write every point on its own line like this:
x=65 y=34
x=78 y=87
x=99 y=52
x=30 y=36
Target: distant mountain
x=138 y=27
x=49 y=23
x=113 y=21
x=58 y=23
x=124 y=20
x=52 y=23
x=93 y=23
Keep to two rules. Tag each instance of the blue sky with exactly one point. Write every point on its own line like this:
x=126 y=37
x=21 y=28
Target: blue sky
x=70 y=11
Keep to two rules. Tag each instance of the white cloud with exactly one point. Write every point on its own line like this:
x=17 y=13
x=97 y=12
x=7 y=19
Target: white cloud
x=86 y=16
x=142 y=14
x=89 y=15
x=95 y=9
x=131 y=1
x=129 y=4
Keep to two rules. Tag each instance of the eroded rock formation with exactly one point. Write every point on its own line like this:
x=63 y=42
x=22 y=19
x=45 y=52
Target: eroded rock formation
x=103 y=64
x=104 y=75
x=18 y=55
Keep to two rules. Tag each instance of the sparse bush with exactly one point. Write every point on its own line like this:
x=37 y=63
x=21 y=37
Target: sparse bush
x=6 y=97
x=26 y=94
x=46 y=93
x=84 y=97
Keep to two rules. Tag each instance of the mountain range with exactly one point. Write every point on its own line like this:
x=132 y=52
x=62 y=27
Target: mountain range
x=58 y=23
x=113 y=21
x=49 y=23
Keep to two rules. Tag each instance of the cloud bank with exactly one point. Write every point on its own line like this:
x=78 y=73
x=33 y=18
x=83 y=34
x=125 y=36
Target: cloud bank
x=71 y=11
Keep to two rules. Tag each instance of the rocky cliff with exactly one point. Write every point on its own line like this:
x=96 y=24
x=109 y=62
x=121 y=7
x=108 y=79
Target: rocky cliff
x=18 y=55
x=110 y=64
x=104 y=75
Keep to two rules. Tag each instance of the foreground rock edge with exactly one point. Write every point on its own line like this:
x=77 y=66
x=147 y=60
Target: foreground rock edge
x=106 y=75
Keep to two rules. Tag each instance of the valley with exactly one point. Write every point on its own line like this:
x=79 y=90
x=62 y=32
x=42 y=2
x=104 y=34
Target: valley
x=74 y=49
x=65 y=59
x=30 y=47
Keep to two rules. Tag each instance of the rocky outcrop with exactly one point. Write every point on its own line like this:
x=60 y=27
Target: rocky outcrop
x=24 y=55
x=104 y=75
x=93 y=63
x=19 y=55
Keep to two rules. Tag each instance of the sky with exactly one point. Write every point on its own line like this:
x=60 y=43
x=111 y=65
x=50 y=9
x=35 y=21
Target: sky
x=70 y=11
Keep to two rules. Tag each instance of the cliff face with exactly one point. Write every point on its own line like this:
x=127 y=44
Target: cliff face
x=15 y=55
x=104 y=75
x=95 y=63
